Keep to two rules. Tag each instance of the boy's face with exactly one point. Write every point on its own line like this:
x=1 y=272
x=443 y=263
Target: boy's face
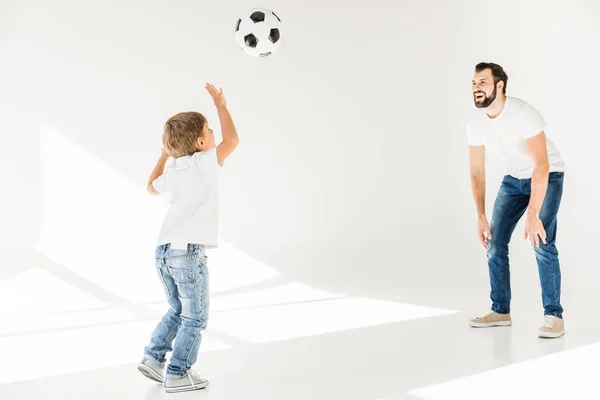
x=207 y=140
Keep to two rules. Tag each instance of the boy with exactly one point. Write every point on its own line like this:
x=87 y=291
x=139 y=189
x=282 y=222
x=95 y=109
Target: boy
x=189 y=228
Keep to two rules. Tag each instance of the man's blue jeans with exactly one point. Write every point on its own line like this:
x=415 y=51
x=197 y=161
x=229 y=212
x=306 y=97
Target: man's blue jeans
x=509 y=207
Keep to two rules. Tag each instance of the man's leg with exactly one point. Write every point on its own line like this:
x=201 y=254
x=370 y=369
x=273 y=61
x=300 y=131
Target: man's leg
x=509 y=207
x=547 y=254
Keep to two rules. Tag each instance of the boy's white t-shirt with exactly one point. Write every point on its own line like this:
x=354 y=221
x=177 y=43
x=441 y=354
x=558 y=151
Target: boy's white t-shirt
x=505 y=136
x=191 y=183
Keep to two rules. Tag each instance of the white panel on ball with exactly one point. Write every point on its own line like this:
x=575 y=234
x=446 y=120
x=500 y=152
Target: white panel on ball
x=258 y=32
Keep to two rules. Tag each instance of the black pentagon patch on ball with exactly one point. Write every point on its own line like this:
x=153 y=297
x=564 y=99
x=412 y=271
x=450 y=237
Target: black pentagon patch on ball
x=274 y=35
x=276 y=16
x=257 y=16
x=237 y=26
x=251 y=40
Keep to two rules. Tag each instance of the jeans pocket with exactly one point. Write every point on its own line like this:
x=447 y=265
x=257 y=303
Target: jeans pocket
x=186 y=280
x=188 y=270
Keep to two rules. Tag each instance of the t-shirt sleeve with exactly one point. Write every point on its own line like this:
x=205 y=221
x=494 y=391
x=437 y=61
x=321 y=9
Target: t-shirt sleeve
x=206 y=160
x=532 y=122
x=211 y=157
x=473 y=134
x=159 y=184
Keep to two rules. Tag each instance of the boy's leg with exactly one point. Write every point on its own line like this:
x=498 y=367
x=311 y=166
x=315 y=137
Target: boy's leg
x=191 y=277
x=166 y=330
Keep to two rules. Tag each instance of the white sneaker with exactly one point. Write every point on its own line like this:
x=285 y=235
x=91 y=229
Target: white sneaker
x=190 y=381
x=152 y=369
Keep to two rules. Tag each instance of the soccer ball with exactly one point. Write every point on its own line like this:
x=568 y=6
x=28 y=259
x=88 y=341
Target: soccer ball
x=257 y=32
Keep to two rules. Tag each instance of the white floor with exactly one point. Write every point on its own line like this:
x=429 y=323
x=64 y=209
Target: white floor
x=64 y=336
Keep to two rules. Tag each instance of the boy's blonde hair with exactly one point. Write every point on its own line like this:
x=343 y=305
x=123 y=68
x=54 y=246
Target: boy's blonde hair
x=181 y=132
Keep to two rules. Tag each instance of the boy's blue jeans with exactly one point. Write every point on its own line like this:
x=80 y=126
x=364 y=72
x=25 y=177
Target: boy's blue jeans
x=184 y=276
x=509 y=207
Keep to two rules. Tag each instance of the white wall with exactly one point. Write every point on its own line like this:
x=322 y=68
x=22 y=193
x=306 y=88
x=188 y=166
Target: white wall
x=352 y=169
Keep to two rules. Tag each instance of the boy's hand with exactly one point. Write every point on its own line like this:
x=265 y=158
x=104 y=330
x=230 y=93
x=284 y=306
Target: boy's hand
x=164 y=153
x=217 y=95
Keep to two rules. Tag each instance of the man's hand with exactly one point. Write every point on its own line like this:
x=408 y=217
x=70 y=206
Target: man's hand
x=534 y=230
x=483 y=231
x=217 y=95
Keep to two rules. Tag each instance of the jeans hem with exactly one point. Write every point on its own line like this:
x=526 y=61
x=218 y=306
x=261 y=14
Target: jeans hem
x=554 y=314
x=498 y=310
x=174 y=376
x=150 y=356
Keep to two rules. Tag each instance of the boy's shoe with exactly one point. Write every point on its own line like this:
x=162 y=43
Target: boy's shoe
x=491 y=319
x=190 y=381
x=152 y=369
x=554 y=327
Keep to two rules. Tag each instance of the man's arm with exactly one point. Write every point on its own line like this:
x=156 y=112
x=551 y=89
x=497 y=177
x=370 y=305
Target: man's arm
x=477 y=168
x=536 y=147
x=158 y=170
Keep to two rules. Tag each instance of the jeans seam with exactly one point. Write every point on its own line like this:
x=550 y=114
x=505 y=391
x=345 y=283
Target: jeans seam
x=187 y=355
x=195 y=252
x=503 y=283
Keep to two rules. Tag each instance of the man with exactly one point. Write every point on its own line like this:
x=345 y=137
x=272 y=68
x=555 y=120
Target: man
x=514 y=131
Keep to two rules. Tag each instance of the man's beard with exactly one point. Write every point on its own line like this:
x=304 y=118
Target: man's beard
x=485 y=103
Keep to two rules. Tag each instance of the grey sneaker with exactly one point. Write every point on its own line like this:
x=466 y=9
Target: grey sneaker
x=190 y=381
x=152 y=369
x=491 y=319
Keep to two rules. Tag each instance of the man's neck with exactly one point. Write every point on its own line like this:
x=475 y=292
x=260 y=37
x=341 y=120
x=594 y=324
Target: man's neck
x=496 y=107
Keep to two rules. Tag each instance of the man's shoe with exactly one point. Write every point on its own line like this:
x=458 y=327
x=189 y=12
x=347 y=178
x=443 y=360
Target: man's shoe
x=554 y=327
x=490 y=320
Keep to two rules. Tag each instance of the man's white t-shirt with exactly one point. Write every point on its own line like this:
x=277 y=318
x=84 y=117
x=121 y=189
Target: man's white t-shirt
x=191 y=183
x=505 y=136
